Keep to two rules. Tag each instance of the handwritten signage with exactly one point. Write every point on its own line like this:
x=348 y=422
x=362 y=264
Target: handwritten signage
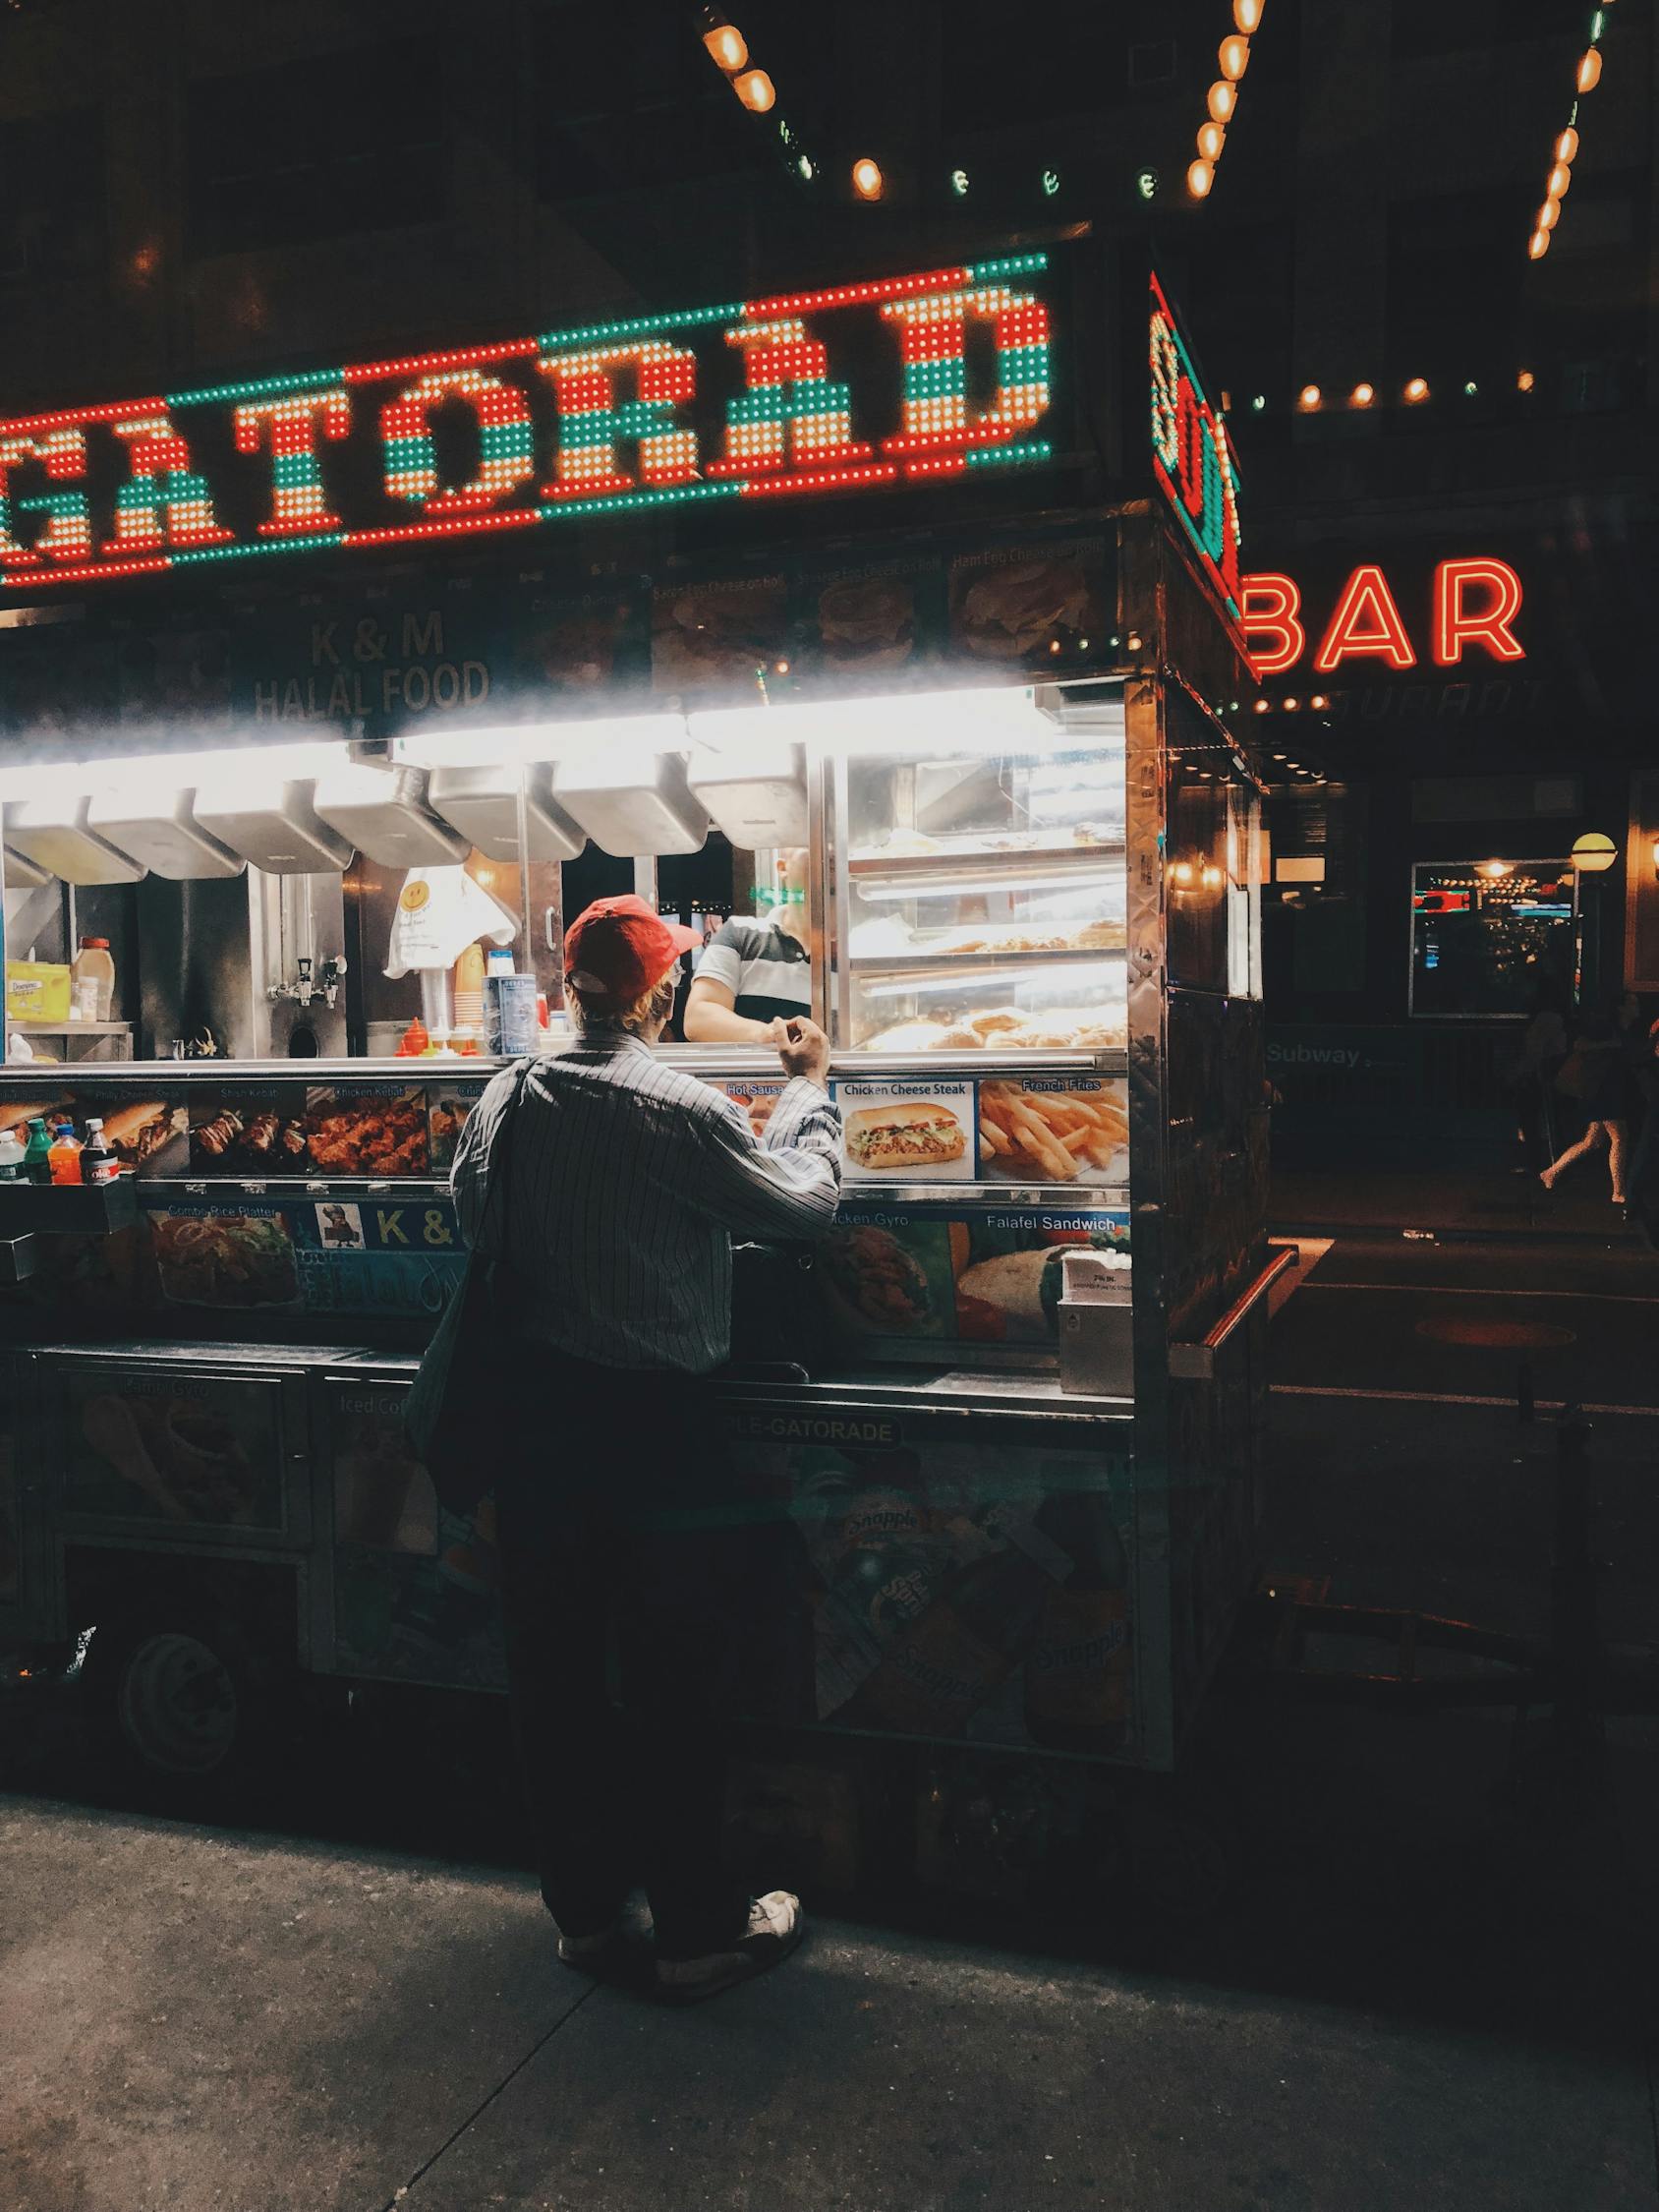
x=1191 y=457
x=888 y=385
x=1472 y=606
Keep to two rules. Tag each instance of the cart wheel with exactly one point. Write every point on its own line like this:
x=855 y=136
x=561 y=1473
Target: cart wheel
x=1181 y=1865
x=176 y=1693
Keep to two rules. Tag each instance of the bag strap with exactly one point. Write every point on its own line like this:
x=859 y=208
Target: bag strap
x=500 y=1151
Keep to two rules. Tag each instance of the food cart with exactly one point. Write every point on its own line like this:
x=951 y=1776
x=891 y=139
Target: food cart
x=989 y=687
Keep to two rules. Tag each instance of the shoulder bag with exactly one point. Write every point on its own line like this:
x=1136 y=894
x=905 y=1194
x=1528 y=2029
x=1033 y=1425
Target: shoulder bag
x=460 y=1416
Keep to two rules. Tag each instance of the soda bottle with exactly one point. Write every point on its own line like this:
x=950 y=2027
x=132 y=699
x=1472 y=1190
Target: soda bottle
x=63 y=1158
x=11 y=1156
x=1077 y=1676
x=37 y=1154
x=98 y=1164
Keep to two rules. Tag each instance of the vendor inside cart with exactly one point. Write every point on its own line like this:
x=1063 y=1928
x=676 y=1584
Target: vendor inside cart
x=756 y=976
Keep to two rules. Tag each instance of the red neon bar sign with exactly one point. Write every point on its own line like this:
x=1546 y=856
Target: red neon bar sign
x=1472 y=604
x=532 y=431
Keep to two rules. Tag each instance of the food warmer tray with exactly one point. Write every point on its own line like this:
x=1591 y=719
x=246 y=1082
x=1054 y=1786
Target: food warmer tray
x=990 y=864
x=979 y=963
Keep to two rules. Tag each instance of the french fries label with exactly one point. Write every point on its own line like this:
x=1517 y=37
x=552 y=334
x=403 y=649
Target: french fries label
x=1054 y=1130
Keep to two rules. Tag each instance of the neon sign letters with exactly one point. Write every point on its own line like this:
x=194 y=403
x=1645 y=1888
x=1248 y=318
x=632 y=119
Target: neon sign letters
x=1472 y=602
x=1191 y=457
x=573 y=424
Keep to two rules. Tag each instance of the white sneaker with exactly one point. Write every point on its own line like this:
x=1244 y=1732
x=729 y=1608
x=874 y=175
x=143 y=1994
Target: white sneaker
x=590 y=1950
x=775 y=1927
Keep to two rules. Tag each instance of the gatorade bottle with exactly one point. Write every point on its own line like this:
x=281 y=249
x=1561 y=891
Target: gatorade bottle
x=64 y=1157
x=98 y=1164
x=37 y=1155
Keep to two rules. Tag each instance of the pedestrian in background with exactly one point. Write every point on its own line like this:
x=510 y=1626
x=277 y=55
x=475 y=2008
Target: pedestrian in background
x=1543 y=1052
x=1597 y=1074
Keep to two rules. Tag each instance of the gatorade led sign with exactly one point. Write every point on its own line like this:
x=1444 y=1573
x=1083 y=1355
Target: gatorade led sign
x=752 y=399
x=1191 y=458
x=1472 y=605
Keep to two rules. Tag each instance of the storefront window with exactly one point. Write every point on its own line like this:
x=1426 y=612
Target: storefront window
x=1213 y=877
x=1490 y=938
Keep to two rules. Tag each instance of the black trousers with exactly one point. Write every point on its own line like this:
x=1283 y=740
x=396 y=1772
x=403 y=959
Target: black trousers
x=622 y=1571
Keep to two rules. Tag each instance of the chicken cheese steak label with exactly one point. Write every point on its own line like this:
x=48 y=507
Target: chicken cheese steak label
x=917 y=1131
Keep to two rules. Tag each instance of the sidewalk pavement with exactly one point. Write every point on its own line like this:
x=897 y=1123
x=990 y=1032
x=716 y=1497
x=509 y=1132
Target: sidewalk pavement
x=217 y=2021
x=1482 y=1203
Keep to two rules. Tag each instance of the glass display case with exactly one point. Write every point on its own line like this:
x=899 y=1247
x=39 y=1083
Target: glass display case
x=980 y=884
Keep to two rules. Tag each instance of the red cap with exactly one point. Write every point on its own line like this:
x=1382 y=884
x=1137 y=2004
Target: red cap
x=617 y=950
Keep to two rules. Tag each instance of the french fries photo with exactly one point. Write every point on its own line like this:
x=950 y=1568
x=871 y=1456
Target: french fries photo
x=1050 y=1136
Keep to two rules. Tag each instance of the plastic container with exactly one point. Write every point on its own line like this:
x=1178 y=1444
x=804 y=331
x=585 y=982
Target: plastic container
x=93 y=967
x=509 y=1015
x=11 y=1156
x=64 y=1157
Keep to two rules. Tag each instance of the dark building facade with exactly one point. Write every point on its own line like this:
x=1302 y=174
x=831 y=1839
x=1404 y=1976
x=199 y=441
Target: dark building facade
x=1447 y=446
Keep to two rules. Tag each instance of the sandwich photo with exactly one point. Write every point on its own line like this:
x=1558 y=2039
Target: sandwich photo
x=1007 y=611
x=17 y=1113
x=868 y=621
x=904 y=1133
x=136 y=1134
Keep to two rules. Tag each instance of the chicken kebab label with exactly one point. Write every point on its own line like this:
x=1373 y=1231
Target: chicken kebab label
x=250 y=1131
x=370 y=1130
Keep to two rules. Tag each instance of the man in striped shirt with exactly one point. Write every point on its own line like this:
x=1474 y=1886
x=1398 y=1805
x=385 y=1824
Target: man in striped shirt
x=622 y=1184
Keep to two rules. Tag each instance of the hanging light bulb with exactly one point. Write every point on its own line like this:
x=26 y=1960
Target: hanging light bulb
x=1363 y=395
x=1233 y=58
x=1211 y=138
x=756 y=90
x=1223 y=99
x=1538 y=245
x=1417 y=391
x=867 y=178
x=1589 y=68
x=1200 y=176
x=1560 y=178
x=727 y=47
x=1547 y=215
x=1247 y=14
x=1309 y=398
x=1526 y=380
x=1567 y=145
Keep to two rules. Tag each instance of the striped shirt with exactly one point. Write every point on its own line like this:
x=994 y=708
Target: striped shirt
x=628 y=1180
x=768 y=972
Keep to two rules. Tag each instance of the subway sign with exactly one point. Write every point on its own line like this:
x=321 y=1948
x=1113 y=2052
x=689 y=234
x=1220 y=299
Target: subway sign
x=1471 y=607
x=888 y=385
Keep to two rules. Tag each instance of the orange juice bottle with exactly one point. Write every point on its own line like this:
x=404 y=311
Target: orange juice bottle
x=64 y=1158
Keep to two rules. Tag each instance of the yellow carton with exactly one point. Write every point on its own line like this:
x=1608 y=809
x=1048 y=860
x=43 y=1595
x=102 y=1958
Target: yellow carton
x=36 y=991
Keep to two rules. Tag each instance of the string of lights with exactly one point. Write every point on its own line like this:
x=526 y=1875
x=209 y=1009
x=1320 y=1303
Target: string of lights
x=1412 y=392
x=728 y=50
x=1586 y=76
x=1232 y=58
